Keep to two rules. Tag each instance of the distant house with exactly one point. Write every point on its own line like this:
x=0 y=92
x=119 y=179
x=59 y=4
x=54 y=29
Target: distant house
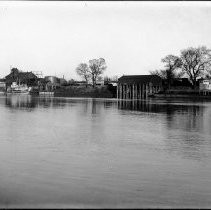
x=204 y=84
x=62 y=81
x=110 y=82
x=49 y=83
x=27 y=78
x=138 y=86
x=100 y=82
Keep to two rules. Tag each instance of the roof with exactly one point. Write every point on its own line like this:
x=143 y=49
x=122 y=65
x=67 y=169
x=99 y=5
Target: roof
x=27 y=75
x=22 y=75
x=143 y=79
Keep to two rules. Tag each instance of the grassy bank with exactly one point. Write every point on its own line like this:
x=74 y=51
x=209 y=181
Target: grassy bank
x=90 y=92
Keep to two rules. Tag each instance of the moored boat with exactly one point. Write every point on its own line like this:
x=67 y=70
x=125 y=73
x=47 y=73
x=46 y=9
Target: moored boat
x=18 y=89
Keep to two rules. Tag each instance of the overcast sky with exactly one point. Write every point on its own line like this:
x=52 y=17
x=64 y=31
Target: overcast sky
x=54 y=37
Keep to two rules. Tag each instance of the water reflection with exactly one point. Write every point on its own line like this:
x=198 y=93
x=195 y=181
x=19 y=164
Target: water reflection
x=188 y=117
x=29 y=103
x=186 y=128
x=20 y=101
x=186 y=124
x=158 y=106
x=94 y=110
x=187 y=131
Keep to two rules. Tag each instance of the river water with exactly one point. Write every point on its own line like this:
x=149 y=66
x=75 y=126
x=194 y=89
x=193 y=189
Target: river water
x=85 y=153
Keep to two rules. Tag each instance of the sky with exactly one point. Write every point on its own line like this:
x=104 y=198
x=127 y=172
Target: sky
x=55 y=37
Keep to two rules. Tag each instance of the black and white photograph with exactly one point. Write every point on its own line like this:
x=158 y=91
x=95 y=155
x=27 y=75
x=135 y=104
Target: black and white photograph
x=105 y=104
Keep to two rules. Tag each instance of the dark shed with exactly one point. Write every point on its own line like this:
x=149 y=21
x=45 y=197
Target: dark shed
x=138 y=86
x=140 y=79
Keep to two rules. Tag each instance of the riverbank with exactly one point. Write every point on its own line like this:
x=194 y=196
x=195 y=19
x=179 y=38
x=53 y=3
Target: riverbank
x=88 y=92
x=184 y=94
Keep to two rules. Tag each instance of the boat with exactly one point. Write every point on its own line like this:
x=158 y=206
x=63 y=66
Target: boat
x=18 y=89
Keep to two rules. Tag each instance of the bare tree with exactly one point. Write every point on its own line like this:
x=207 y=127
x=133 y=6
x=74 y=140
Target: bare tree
x=161 y=73
x=171 y=63
x=96 y=69
x=196 y=62
x=83 y=71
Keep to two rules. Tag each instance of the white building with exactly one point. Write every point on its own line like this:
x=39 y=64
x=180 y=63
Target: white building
x=205 y=85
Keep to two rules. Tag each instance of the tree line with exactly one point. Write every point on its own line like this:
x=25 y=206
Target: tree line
x=192 y=62
x=92 y=71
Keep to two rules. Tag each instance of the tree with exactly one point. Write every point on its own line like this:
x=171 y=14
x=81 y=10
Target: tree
x=196 y=62
x=83 y=71
x=171 y=64
x=96 y=69
x=161 y=73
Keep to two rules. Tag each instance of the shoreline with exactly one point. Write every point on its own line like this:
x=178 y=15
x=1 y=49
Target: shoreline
x=184 y=96
x=92 y=95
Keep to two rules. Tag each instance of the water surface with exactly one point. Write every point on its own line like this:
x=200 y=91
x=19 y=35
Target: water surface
x=74 y=152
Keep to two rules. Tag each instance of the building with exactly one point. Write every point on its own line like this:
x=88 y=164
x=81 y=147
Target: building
x=205 y=85
x=49 y=83
x=138 y=86
x=19 y=77
x=110 y=82
x=100 y=82
x=62 y=81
